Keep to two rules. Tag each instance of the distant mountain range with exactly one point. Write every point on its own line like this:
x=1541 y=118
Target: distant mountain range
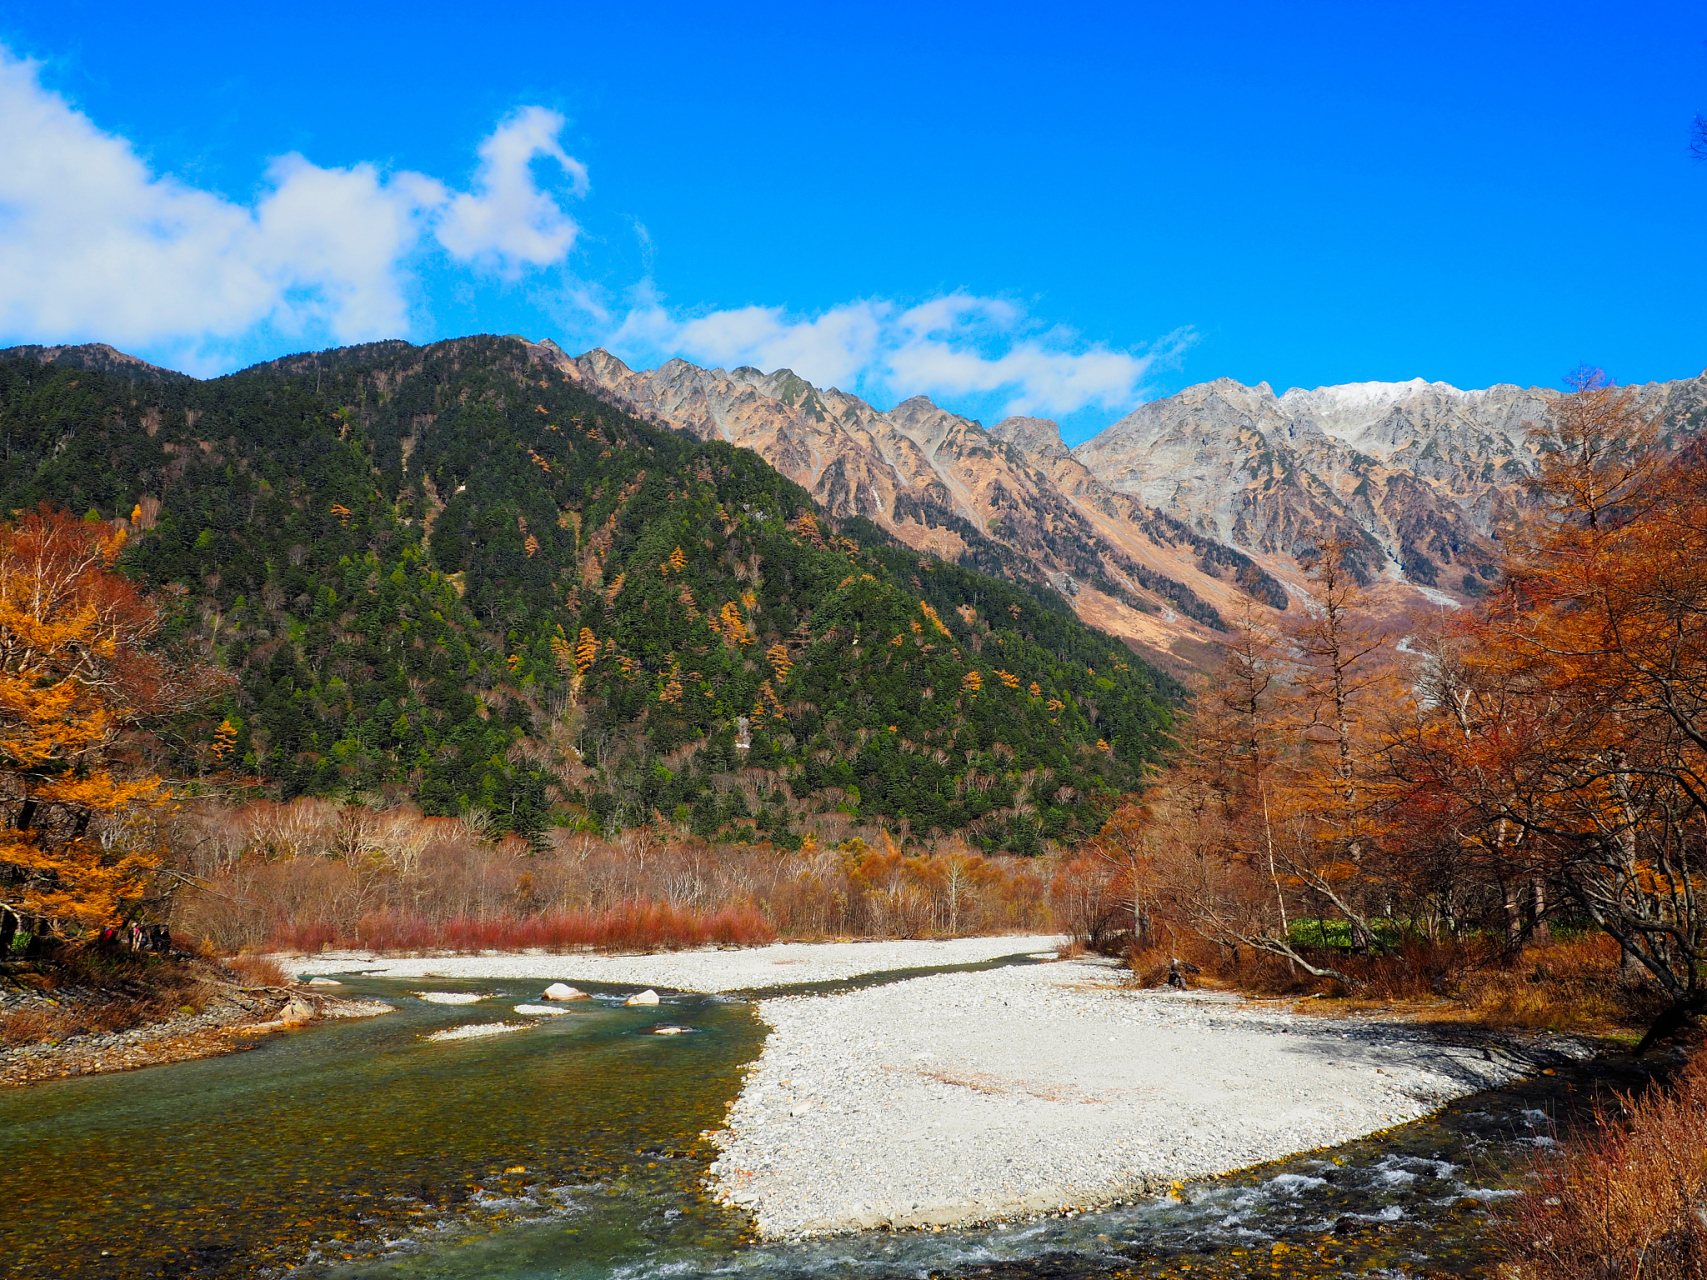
x=464 y=575
x=1163 y=528
x=1175 y=518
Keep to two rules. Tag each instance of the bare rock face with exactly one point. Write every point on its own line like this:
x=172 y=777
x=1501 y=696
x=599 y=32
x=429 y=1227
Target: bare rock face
x=1421 y=475
x=1182 y=515
x=944 y=485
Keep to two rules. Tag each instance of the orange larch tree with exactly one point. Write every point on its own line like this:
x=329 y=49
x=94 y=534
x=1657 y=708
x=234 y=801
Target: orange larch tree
x=78 y=850
x=1569 y=743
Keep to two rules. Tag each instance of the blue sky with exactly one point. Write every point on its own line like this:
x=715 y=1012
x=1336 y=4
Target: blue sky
x=1055 y=209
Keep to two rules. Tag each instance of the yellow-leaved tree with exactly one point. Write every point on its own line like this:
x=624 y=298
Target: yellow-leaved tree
x=78 y=850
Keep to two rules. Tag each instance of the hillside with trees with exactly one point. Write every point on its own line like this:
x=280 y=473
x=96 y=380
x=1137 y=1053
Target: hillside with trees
x=1413 y=809
x=451 y=576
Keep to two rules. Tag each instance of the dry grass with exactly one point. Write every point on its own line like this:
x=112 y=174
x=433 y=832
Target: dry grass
x=1561 y=986
x=1568 y=985
x=89 y=993
x=1628 y=1202
x=258 y=971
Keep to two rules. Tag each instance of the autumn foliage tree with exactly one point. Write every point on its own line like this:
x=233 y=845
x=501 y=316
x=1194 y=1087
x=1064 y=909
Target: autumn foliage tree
x=76 y=672
x=1570 y=742
x=1270 y=812
x=1541 y=756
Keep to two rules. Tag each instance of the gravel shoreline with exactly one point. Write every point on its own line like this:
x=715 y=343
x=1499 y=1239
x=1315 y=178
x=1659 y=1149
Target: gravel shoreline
x=965 y=1098
x=227 y=1026
x=709 y=970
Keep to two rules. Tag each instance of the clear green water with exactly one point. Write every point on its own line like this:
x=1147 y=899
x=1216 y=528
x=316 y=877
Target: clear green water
x=572 y=1150
x=349 y=1140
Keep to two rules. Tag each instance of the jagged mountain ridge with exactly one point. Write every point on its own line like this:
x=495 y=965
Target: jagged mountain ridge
x=1177 y=516
x=1010 y=500
x=1421 y=475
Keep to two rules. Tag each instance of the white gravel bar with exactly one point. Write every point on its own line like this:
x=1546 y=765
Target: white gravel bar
x=710 y=969
x=965 y=1098
x=961 y=1098
x=474 y=1030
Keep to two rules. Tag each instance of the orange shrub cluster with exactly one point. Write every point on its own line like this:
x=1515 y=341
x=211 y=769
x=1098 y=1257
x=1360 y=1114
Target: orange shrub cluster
x=311 y=873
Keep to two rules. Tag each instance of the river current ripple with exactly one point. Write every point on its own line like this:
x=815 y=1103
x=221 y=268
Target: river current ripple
x=575 y=1148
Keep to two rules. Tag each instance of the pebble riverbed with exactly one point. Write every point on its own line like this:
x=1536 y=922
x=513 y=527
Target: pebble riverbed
x=710 y=969
x=971 y=1097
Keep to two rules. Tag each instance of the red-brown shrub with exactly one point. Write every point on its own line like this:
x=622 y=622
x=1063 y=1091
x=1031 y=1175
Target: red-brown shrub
x=309 y=875
x=258 y=970
x=1626 y=1202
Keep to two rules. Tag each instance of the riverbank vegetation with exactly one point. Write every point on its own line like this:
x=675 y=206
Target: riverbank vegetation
x=1410 y=811
x=83 y=991
x=80 y=678
x=1624 y=1203
x=311 y=873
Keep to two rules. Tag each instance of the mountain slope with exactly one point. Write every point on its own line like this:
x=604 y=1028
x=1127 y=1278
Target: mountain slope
x=454 y=573
x=1185 y=513
x=1420 y=475
x=942 y=484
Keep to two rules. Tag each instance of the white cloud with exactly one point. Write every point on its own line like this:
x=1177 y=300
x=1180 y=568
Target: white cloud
x=511 y=220
x=95 y=245
x=954 y=345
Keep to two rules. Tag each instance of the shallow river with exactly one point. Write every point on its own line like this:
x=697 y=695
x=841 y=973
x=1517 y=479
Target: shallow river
x=573 y=1149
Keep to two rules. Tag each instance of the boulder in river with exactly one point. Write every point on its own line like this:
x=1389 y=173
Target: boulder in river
x=563 y=991
x=296 y=1010
x=540 y=1011
x=667 y=1029
x=647 y=996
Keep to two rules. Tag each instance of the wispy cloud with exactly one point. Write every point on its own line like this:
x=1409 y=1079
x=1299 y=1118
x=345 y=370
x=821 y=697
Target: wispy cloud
x=93 y=244
x=951 y=346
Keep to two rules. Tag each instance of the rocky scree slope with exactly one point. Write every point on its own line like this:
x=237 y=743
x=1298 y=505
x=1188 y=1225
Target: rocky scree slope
x=1421 y=476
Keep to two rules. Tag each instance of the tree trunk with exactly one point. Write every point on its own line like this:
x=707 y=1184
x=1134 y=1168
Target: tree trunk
x=1540 y=931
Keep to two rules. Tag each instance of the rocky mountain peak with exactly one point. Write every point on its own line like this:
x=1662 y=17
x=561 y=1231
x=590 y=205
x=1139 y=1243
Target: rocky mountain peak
x=1038 y=438
x=97 y=357
x=598 y=362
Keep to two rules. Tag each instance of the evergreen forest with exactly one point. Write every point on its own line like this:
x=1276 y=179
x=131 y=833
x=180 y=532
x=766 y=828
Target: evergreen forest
x=450 y=575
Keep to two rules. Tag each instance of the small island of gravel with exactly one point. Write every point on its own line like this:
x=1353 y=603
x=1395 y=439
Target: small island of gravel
x=964 y=1097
